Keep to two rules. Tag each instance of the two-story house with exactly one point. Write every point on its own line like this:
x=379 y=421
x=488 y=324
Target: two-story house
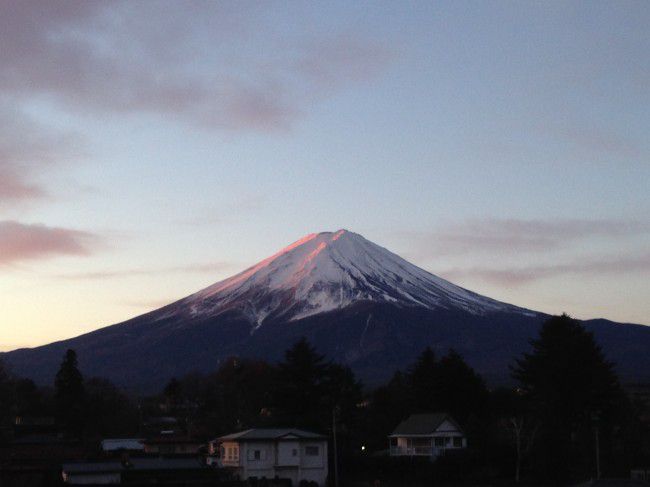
x=284 y=453
x=426 y=435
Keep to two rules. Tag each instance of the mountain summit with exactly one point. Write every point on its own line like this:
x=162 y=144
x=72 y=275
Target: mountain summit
x=329 y=271
x=356 y=302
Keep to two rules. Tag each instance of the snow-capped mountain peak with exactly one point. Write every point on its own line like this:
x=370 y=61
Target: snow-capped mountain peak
x=331 y=270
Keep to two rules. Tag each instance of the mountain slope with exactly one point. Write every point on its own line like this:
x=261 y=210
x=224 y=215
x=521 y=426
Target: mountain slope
x=328 y=271
x=357 y=302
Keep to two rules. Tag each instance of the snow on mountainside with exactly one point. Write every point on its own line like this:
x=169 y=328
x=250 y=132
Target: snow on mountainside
x=328 y=271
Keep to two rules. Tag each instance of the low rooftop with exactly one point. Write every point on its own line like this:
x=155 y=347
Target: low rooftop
x=423 y=424
x=271 y=434
x=139 y=464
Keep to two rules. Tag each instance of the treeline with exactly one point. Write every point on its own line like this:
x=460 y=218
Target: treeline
x=567 y=402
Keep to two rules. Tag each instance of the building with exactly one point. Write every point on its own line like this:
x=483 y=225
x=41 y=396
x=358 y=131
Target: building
x=426 y=435
x=117 y=445
x=274 y=453
x=169 y=444
x=139 y=471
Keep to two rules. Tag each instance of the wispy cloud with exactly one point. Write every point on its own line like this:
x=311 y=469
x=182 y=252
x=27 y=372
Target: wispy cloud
x=591 y=140
x=200 y=268
x=342 y=59
x=612 y=265
x=21 y=242
x=148 y=304
x=227 y=212
x=27 y=148
x=74 y=53
x=517 y=235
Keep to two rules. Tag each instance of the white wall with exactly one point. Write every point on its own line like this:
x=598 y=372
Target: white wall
x=313 y=461
x=288 y=453
x=280 y=453
x=93 y=479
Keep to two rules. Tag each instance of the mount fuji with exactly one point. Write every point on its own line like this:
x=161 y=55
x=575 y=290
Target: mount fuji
x=357 y=302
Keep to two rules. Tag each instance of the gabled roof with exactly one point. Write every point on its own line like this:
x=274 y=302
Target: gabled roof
x=271 y=434
x=423 y=424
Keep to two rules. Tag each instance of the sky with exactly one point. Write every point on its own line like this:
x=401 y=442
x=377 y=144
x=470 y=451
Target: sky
x=149 y=149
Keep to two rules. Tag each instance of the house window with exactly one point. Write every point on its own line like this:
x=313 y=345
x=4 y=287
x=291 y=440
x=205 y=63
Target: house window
x=257 y=454
x=311 y=451
x=458 y=442
x=439 y=442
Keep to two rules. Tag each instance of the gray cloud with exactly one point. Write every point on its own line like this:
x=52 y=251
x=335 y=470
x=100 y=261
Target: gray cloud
x=612 y=265
x=518 y=235
x=26 y=149
x=75 y=52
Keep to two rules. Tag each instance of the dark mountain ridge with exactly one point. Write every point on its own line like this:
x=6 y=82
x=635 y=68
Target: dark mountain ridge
x=358 y=303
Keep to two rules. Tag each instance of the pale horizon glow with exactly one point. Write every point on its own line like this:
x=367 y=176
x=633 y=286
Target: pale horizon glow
x=149 y=150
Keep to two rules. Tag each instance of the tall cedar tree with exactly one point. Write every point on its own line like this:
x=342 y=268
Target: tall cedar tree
x=309 y=389
x=572 y=389
x=7 y=398
x=423 y=381
x=69 y=395
x=300 y=387
x=448 y=385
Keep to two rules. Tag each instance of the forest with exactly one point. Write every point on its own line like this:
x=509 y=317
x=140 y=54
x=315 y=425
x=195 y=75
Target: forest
x=566 y=416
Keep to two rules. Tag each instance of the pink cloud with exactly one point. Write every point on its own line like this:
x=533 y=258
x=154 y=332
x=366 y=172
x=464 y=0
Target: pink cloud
x=15 y=188
x=22 y=242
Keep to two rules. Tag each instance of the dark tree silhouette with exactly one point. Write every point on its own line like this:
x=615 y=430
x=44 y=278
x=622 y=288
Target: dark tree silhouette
x=69 y=395
x=460 y=390
x=423 y=378
x=7 y=398
x=109 y=412
x=300 y=387
x=572 y=389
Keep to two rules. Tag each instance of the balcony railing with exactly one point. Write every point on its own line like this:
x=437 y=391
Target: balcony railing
x=421 y=451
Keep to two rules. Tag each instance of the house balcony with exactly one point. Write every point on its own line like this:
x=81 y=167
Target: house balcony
x=415 y=451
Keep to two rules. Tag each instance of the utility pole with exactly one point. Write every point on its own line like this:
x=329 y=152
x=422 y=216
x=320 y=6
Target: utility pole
x=595 y=417
x=336 y=459
x=597 y=454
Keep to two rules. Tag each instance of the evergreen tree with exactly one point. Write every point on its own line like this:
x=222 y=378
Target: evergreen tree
x=69 y=395
x=7 y=399
x=572 y=389
x=423 y=381
x=459 y=389
x=301 y=386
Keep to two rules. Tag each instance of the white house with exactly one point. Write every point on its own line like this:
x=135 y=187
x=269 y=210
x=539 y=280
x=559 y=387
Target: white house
x=426 y=435
x=284 y=453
